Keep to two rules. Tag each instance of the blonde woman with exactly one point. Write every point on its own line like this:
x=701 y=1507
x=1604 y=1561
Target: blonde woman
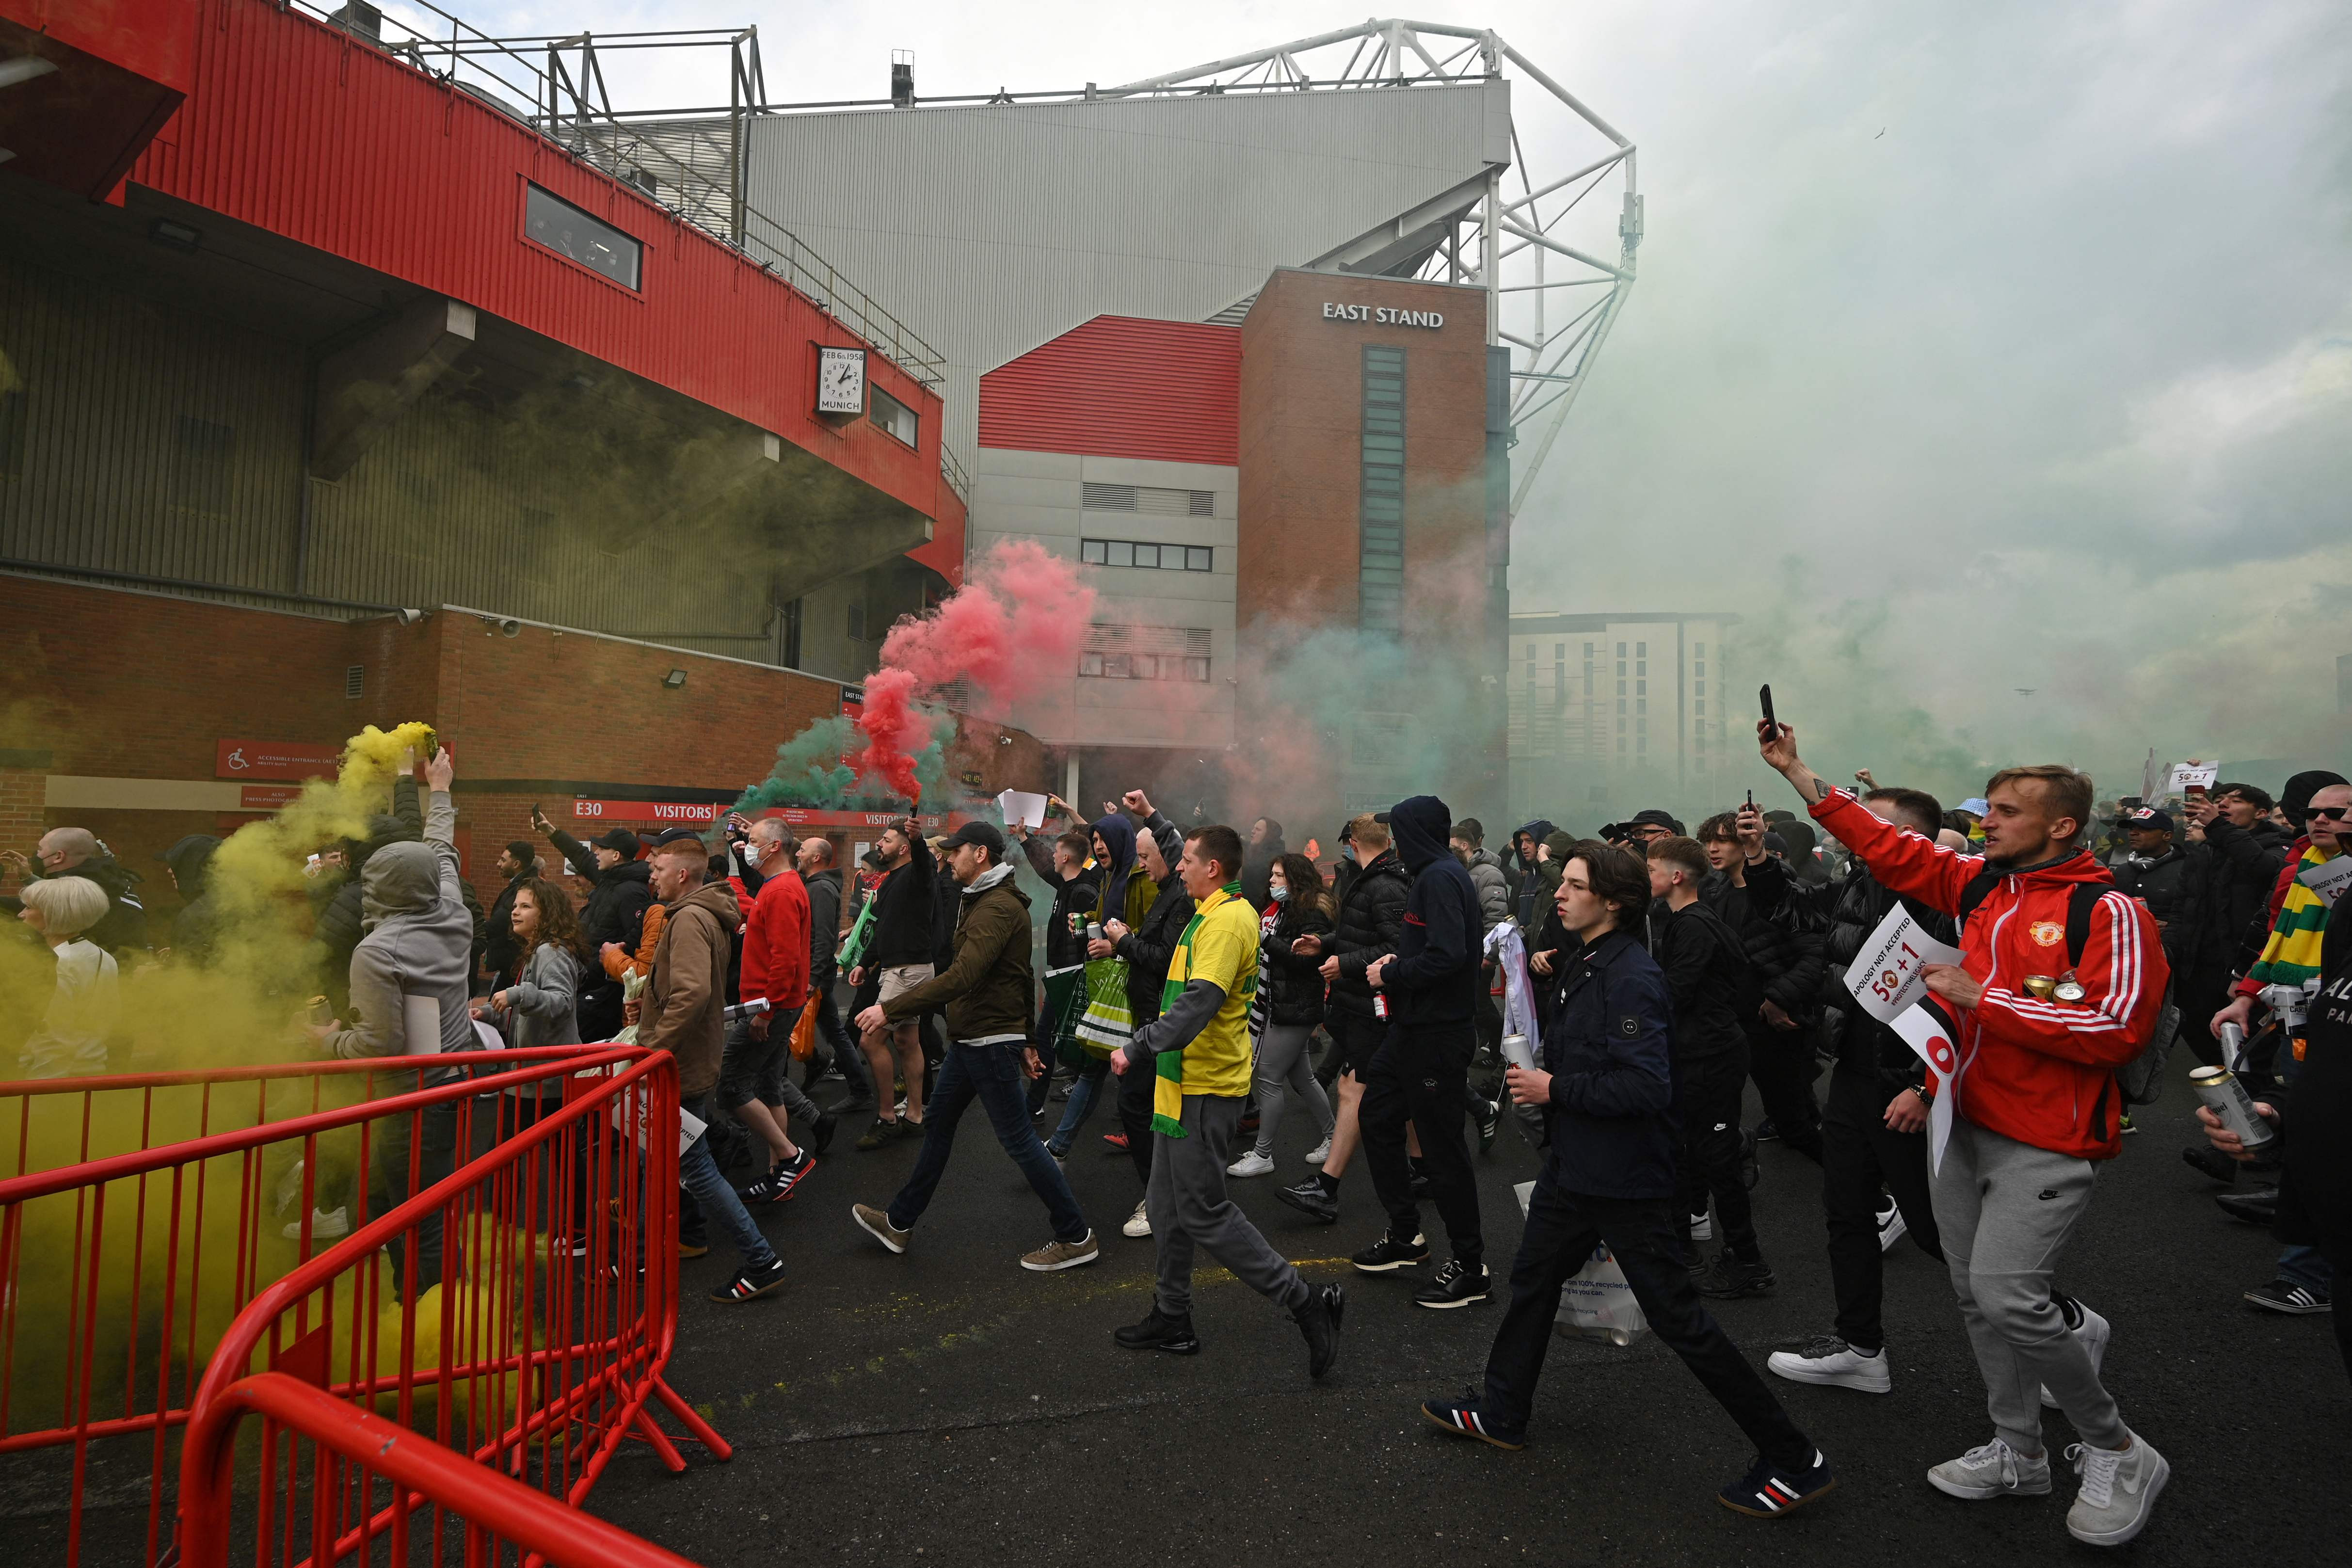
x=87 y=1002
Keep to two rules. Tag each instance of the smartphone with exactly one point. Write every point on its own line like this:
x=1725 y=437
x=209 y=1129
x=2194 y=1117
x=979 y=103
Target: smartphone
x=2194 y=791
x=1751 y=800
x=1764 y=696
x=432 y=744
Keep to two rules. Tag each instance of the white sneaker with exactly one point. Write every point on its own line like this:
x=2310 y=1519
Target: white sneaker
x=1138 y=1224
x=1891 y=1227
x=1702 y=1228
x=1996 y=1469
x=325 y=1226
x=1250 y=1165
x=1831 y=1361
x=1320 y=1152
x=2093 y=1330
x=2119 y=1487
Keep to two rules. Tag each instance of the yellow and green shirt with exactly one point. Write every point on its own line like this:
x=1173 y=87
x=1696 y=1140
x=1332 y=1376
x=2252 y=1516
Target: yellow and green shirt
x=1220 y=946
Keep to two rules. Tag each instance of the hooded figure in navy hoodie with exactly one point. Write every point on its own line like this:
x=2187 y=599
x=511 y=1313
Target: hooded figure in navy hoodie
x=1421 y=1073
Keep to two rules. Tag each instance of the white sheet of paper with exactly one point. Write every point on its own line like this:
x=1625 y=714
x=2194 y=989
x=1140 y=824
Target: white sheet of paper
x=1885 y=976
x=420 y=1025
x=1021 y=809
x=2185 y=775
x=1926 y=1034
x=2329 y=879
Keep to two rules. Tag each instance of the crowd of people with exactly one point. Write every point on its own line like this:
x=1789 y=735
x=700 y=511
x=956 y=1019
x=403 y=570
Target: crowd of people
x=1215 y=988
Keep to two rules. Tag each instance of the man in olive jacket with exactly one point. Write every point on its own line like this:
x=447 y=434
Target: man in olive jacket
x=685 y=1015
x=987 y=992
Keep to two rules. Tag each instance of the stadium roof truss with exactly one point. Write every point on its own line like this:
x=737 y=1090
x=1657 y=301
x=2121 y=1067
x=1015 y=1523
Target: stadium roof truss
x=1551 y=301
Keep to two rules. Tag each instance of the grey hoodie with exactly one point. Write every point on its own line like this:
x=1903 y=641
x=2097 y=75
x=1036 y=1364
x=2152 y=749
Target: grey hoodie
x=410 y=974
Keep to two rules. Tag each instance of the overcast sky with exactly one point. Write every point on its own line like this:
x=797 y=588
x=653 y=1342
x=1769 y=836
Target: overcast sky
x=1975 y=347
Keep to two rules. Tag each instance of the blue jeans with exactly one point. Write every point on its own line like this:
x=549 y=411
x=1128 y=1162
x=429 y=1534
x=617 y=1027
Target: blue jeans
x=698 y=1174
x=992 y=1074
x=1081 y=1105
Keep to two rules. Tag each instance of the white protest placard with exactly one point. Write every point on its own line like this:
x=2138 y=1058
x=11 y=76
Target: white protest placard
x=631 y=1112
x=1926 y=1033
x=2328 y=878
x=1021 y=809
x=1885 y=976
x=2189 y=776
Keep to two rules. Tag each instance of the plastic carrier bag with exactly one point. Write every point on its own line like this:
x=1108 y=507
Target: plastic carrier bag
x=1597 y=1303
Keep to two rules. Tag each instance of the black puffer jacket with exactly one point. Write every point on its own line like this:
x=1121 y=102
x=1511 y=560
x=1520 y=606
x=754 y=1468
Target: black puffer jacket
x=617 y=899
x=2166 y=883
x=2244 y=867
x=1151 y=945
x=1371 y=919
x=1782 y=938
x=1293 y=985
x=1848 y=912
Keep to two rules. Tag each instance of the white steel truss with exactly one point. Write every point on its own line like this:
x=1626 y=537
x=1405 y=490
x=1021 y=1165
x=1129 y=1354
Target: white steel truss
x=1549 y=301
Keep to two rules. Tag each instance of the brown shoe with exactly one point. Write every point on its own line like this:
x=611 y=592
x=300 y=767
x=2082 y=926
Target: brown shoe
x=692 y=1249
x=1055 y=1256
x=875 y=1223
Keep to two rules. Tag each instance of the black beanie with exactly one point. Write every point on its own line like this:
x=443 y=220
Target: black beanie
x=2295 y=798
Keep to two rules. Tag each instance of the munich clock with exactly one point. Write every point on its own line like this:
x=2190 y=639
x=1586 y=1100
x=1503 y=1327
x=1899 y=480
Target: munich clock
x=840 y=381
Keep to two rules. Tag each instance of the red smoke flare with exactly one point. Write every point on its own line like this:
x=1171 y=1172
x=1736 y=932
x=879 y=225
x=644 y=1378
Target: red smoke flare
x=1015 y=625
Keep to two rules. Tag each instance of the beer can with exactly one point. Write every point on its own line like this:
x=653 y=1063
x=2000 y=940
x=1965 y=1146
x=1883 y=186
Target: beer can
x=1379 y=1005
x=1094 y=931
x=1519 y=1053
x=2233 y=1045
x=2221 y=1089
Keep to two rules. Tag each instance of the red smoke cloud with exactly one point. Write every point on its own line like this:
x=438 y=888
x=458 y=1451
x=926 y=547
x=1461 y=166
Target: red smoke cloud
x=1016 y=624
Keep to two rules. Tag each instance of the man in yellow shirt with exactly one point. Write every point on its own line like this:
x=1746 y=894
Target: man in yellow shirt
x=1199 y=1048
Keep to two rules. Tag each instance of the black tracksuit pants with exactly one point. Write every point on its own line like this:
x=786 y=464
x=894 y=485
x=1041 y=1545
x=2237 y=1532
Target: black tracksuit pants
x=1643 y=1233
x=1708 y=1105
x=1781 y=1063
x=1858 y=1153
x=1423 y=1076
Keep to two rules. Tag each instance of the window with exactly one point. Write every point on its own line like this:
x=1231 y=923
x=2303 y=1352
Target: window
x=1621 y=708
x=895 y=418
x=1641 y=705
x=1161 y=557
x=201 y=465
x=1699 y=668
x=1699 y=706
x=1531 y=650
x=1146 y=653
x=1640 y=667
x=855 y=622
x=1380 y=559
x=1587 y=650
x=1621 y=688
x=1640 y=650
x=1699 y=650
x=596 y=245
x=1620 y=650
x=1698 y=689
x=1621 y=664
x=1641 y=688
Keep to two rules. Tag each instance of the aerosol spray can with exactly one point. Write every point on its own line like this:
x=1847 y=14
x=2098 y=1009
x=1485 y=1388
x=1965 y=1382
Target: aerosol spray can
x=2220 y=1089
x=2233 y=1045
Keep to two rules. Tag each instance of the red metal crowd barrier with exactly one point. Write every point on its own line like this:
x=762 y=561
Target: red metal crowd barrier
x=505 y=1310
x=497 y=1510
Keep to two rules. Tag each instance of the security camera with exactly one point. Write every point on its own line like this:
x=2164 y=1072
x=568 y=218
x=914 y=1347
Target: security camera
x=411 y=617
x=510 y=627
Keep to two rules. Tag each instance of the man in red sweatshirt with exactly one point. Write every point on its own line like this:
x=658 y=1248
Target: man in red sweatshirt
x=2060 y=981
x=753 y=1082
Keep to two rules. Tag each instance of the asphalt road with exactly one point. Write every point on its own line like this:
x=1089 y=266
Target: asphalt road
x=947 y=1406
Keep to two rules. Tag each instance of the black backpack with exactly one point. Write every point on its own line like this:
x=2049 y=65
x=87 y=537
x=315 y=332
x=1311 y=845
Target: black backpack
x=2140 y=1080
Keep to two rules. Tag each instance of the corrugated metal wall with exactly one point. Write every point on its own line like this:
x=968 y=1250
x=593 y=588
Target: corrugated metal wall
x=994 y=228
x=164 y=444
x=1116 y=387
x=170 y=447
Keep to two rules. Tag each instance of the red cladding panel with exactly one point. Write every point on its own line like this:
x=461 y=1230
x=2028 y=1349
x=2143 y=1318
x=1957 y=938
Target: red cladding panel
x=1121 y=387
x=303 y=130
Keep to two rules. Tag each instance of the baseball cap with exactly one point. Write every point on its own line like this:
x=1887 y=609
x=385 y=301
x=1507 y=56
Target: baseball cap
x=676 y=835
x=976 y=832
x=2148 y=817
x=621 y=839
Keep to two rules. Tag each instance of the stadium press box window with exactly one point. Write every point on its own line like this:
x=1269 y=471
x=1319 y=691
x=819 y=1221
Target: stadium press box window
x=893 y=416
x=553 y=222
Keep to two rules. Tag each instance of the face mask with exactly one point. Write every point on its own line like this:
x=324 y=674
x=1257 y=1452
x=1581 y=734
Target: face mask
x=1281 y=895
x=1346 y=852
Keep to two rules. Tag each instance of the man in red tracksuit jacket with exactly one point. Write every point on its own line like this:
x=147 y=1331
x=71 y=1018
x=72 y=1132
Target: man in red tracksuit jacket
x=2036 y=1107
x=754 y=1080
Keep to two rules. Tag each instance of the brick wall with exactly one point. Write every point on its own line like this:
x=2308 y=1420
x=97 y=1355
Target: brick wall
x=98 y=681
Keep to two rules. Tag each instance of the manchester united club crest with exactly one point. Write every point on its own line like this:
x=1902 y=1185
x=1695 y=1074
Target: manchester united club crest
x=2049 y=933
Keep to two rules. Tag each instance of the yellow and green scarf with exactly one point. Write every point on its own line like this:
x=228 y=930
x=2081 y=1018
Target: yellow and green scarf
x=1168 y=1089
x=2291 y=956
